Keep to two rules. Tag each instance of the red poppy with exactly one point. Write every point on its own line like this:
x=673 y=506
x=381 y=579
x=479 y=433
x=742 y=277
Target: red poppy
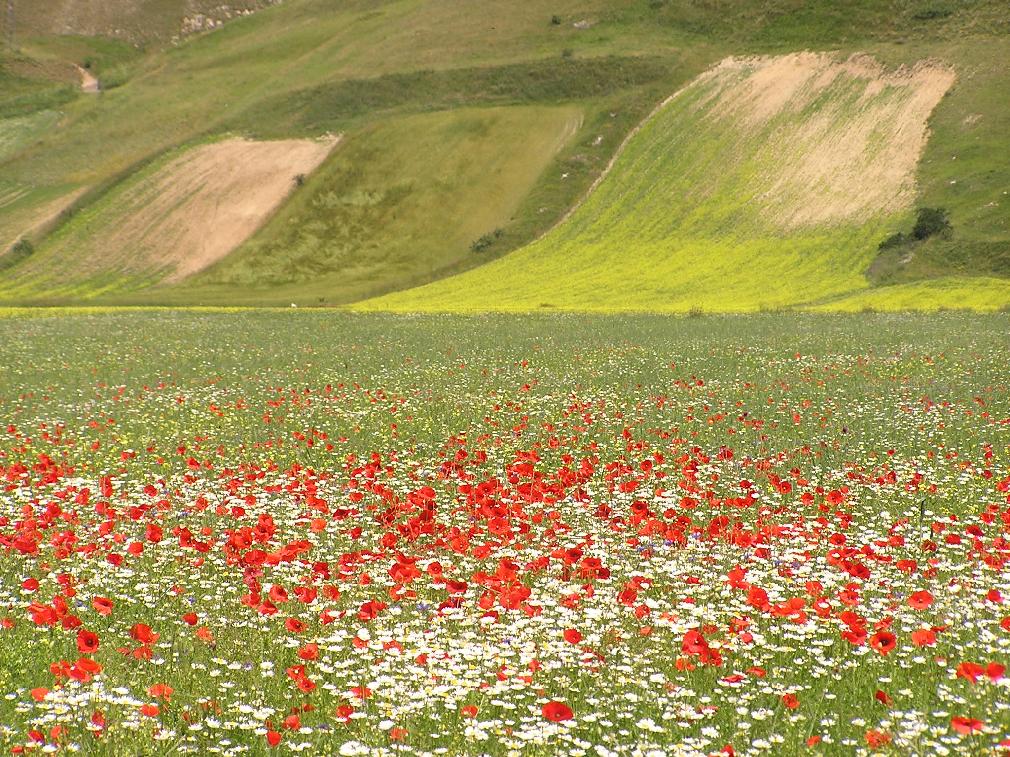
x=883 y=641
x=88 y=666
x=309 y=652
x=966 y=726
x=790 y=701
x=877 y=739
x=161 y=691
x=572 y=636
x=970 y=671
x=102 y=605
x=556 y=712
x=142 y=632
x=924 y=637
x=920 y=600
x=87 y=641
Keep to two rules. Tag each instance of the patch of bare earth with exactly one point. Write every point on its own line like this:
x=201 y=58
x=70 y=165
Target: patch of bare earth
x=200 y=206
x=89 y=83
x=841 y=137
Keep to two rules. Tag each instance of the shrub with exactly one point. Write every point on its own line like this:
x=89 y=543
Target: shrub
x=486 y=241
x=930 y=221
x=555 y=20
x=932 y=14
x=22 y=250
x=113 y=77
x=895 y=240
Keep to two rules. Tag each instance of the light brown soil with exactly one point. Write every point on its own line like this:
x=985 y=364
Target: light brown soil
x=855 y=156
x=202 y=205
x=88 y=82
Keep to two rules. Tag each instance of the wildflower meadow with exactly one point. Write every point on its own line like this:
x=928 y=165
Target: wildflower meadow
x=270 y=532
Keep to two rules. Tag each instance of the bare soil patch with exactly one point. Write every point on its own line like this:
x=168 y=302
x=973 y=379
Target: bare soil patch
x=200 y=206
x=842 y=137
x=89 y=83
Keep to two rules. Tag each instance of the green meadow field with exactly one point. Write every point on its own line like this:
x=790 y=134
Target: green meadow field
x=261 y=532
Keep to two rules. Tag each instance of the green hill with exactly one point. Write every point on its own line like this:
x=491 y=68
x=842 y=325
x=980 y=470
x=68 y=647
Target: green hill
x=469 y=130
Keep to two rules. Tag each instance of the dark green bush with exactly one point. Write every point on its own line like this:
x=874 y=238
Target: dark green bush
x=22 y=250
x=930 y=221
x=895 y=240
x=486 y=241
x=932 y=14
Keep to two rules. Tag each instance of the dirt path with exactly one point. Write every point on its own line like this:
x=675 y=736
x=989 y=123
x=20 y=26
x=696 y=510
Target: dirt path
x=88 y=82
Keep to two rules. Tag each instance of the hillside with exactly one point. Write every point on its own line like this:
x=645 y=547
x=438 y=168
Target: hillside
x=469 y=130
x=764 y=183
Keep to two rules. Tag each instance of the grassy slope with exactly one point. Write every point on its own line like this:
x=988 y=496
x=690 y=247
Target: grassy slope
x=317 y=52
x=966 y=170
x=683 y=220
x=409 y=195
x=175 y=98
x=982 y=293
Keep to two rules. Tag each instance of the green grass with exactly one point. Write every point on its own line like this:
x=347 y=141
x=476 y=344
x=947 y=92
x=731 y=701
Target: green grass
x=19 y=131
x=979 y=293
x=129 y=21
x=329 y=106
x=28 y=85
x=780 y=25
x=111 y=61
